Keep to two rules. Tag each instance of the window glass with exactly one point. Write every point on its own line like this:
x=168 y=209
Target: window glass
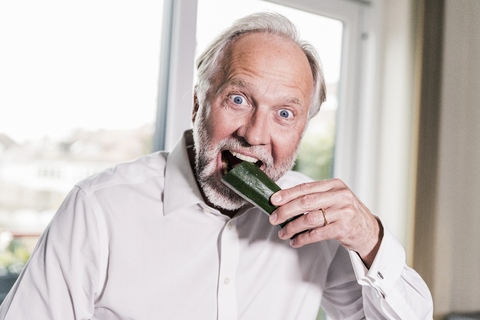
x=315 y=157
x=79 y=91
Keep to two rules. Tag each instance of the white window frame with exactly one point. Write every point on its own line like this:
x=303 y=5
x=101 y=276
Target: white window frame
x=361 y=151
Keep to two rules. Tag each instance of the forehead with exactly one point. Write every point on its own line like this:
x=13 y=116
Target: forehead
x=268 y=58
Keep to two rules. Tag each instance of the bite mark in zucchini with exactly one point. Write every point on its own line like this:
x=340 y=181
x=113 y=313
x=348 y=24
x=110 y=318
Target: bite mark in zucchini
x=252 y=184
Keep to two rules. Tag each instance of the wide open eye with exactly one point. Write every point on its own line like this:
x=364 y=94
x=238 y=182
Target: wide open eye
x=285 y=113
x=237 y=99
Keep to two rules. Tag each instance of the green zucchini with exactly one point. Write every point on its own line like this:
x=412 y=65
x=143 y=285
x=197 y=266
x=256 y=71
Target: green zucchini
x=252 y=184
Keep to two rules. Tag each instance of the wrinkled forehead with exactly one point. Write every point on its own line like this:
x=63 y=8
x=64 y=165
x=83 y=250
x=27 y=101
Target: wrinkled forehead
x=264 y=53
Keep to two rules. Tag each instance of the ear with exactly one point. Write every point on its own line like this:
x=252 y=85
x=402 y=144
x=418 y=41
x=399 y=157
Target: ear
x=195 y=105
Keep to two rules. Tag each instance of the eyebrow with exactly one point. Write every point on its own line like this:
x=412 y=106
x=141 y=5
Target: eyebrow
x=234 y=82
x=294 y=100
x=243 y=84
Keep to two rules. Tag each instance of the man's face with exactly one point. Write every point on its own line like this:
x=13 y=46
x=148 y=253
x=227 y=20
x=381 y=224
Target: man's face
x=256 y=111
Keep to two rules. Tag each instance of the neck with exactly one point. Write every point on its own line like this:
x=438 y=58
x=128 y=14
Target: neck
x=191 y=157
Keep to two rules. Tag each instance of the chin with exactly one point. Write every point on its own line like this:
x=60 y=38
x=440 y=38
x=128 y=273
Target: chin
x=220 y=195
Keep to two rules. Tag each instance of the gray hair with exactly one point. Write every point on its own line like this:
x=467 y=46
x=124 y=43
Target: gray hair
x=208 y=64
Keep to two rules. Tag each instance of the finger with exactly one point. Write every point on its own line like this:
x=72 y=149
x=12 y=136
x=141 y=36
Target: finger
x=310 y=220
x=314 y=235
x=286 y=195
x=307 y=203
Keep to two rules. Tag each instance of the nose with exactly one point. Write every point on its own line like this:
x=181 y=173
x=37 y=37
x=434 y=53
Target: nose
x=255 y=130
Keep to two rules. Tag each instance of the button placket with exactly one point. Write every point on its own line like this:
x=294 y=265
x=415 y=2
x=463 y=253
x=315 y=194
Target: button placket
x=229 y=251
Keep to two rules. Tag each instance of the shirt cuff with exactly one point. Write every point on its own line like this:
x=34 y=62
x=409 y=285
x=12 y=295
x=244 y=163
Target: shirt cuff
x=386 y=268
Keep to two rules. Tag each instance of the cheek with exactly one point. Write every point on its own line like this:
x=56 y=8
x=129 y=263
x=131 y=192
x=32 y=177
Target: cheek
x=219 y=132
x=222 y=125
x=284 y=146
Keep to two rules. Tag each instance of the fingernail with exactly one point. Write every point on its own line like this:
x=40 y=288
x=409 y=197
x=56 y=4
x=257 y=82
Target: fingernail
x=273 y=218
x=281 y=233
x=293 y=241
x=276 y=198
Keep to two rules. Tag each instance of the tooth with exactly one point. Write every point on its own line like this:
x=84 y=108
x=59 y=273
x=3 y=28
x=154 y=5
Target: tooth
x=243 y=157
x=224 y=166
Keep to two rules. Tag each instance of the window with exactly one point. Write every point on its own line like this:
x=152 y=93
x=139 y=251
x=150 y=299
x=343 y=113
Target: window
x=352 y=129
x=79 y=91
x=72 y=73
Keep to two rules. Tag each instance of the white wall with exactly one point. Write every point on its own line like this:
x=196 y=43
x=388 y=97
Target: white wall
x=457 y=247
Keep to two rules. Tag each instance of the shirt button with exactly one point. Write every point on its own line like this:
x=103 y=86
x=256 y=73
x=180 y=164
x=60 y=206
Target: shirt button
x=226 y=281
x=229 y=225
x=380 y=275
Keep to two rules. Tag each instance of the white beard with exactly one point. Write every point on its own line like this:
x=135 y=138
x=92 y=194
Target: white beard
x=206 y=164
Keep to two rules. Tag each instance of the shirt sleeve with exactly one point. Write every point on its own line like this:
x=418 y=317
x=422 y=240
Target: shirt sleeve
x=63 y=277
x=390 y=289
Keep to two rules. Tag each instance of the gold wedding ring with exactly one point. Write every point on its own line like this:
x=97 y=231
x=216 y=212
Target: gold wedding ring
x=324 y=216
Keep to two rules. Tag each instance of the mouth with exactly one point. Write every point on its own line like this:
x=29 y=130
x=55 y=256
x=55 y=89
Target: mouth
x=231 y=159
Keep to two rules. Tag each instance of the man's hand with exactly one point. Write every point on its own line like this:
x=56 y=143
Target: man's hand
x=349 y=221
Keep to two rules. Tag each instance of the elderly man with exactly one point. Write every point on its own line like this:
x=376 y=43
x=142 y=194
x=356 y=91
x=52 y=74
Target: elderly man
x=163 y=238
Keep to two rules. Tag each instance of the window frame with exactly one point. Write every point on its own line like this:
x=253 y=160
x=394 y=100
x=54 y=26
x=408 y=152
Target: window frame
x=363 y=148
x=175 y=83
x=175 y=91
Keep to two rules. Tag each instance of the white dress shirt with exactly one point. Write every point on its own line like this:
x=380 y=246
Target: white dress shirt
x=138 y=242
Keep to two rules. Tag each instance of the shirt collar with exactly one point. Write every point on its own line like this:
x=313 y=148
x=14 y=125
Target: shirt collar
x=181 y=189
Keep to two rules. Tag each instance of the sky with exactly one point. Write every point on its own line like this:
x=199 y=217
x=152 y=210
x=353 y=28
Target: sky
x=95 y=64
